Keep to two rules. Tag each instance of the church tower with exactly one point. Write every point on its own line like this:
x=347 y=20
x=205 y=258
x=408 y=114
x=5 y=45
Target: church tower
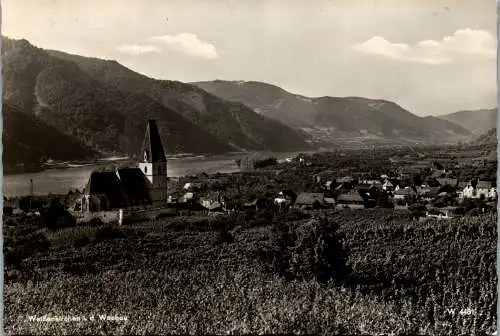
x=153 y=163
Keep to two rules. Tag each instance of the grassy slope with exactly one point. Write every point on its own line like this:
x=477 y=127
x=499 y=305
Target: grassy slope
x=173 y=276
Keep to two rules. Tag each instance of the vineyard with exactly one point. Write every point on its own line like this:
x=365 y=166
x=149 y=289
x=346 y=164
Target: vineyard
x=173 y=276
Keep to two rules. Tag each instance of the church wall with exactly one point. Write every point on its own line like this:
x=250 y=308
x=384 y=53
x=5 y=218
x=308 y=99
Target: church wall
x=156 y=173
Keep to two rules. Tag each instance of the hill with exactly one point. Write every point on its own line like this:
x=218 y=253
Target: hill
x=477 y=121
x=104 y=105
x=230 y=122
x=335 y=119
x=27 y=140
x=489 y=138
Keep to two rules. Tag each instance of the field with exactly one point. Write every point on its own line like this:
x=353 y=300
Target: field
x=196 y=275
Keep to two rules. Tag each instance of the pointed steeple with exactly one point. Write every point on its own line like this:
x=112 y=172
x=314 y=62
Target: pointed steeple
x=152 y=147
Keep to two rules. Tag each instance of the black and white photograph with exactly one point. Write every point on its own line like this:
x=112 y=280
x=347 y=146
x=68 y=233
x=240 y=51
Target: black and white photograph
x=182 y=167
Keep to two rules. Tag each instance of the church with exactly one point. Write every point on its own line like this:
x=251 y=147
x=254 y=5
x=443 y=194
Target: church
x=137 y=187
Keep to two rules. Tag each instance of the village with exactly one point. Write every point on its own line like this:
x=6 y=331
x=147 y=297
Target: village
x=422 y=187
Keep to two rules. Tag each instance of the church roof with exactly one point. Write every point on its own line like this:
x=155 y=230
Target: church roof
x=135 y=186
x=107 y=183
x=122 y=188
x=152 y=147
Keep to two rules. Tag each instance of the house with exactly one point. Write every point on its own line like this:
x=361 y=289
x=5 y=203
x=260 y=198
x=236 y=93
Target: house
x=140 y=186
x=448 y=181
x=346 y=179
x=461 y=185
x=330 y=201
x=351 y=199
x=428 y=193
x=493 y=194
x=210 y=204
x=388 y=186
x=486 y=188
x=192 y=186
x=481 y=189
x=310 y=201
x=188 y=197
x=285 y=197
x=469 y=191
x=173 y=199
x=329 y=185
x=404 y=193
x=214 y=207
x=371 y=182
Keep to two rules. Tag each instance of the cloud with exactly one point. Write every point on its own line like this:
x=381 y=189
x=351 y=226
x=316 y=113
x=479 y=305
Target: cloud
x=464 y=41
x=189 y=44
x=138 y=49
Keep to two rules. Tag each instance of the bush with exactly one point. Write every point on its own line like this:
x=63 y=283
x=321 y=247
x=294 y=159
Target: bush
x=81 y=241
x=27 y=246
x=166 y=214
x=224 y=235
x=56 y=217
x=7 y=211
x=108 y=233
x=266 y=162
x=474 y=213
x=311 y=250
x=96 y=222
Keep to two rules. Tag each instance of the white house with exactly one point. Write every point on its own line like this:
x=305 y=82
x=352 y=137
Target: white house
x=388 y=186
x=483 y=189
x=284 y=198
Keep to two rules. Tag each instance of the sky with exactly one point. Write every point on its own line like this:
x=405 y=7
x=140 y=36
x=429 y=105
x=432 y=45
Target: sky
x=430 y=56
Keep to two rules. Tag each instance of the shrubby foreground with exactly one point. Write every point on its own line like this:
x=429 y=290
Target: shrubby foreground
x=206 y=275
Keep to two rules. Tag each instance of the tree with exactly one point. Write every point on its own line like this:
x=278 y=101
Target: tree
x=56 y=216
x=417 y=180
x=310 y=250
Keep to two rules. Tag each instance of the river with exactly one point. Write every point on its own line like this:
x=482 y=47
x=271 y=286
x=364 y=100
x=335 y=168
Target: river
x=59 y=181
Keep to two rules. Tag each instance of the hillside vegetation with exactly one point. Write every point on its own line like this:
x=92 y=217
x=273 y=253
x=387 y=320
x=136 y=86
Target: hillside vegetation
x=338 y=119
x=105 y=105
x=27 y=139
x=229 y=122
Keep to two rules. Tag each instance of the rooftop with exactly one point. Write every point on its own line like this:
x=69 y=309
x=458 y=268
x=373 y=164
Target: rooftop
x=152 y=146
x=309 y=198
